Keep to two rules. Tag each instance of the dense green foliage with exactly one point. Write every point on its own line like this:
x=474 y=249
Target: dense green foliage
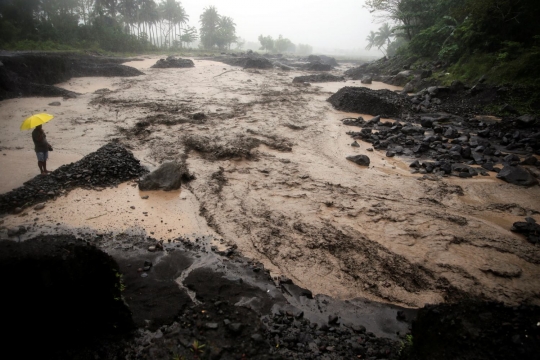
x=482 y=36
x=112 y=25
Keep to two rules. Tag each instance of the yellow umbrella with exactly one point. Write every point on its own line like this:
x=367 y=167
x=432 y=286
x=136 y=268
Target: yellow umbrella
x=36 y=120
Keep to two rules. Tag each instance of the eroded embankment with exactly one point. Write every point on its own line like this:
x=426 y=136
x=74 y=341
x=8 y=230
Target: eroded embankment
x=35 y=74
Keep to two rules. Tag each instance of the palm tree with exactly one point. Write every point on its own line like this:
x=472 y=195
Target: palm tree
x=227 y=32
x=371 y=39
x=383 y=37
x=209 y=20
x=180 y=18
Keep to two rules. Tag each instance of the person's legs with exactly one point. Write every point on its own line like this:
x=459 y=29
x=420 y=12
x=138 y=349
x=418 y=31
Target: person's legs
x=42 y=161
x=45 y=158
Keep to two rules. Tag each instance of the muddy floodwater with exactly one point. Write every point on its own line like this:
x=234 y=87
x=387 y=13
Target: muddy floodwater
x=272 y=178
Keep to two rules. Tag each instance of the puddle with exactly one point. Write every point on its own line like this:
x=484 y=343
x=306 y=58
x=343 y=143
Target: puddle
x=164 y=215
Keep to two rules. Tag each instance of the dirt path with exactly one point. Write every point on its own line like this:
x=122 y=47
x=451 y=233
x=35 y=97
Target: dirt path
x=272 y=178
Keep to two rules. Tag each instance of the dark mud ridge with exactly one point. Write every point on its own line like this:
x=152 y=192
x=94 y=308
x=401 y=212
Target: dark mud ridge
x=187 y=300
x=34 y=74
x=256 y=61
x=366 y=101
x=247 y=61
x=318 y=78
x=110 y=165
x=173 y=62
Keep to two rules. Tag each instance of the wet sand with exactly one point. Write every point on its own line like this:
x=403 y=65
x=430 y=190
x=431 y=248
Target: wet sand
x=333 y=227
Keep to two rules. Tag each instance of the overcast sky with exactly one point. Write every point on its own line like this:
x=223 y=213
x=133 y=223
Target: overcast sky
x=338 y=24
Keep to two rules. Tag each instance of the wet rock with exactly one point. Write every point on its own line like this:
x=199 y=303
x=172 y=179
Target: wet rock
x=451 y=133
x=529 y=228
x=367 y=79
x=167 y=177
x=327 y=60
x=235 y=328
x=526 y=120
x=367 y=101
x=39 y=207
x=517 y=175
x=362 y=160
x=511 y=159
x=318 y=78
x=529 y=160
x=173 y=62
x=16 y=231
x=426 y=122
x=318 y=66
x=258 y=63
x=257 y=338
x=198 y=116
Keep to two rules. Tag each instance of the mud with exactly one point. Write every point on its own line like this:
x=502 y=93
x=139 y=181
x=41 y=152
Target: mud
x=272 y=180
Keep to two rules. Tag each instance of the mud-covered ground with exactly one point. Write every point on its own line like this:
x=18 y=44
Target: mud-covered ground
x=271 y=178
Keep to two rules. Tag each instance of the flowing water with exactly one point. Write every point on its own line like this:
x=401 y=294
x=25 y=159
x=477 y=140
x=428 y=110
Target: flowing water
x=295 y=204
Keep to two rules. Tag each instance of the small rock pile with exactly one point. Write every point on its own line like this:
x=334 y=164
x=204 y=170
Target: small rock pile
x=173 y=62
x=293 y=337
x=529 y=228
x=228 y=331
x=108 y=166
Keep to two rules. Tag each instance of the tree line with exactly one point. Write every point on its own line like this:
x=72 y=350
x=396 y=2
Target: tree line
x=114 y=25
x=451 y=29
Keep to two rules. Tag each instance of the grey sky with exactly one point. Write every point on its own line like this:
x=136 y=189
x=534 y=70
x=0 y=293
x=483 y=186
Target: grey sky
x=339 y=24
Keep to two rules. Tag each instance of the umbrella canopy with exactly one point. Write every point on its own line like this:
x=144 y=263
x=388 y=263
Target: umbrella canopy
x=36 y=120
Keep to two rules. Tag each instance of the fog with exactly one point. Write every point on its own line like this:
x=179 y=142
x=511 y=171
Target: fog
x=328 y=26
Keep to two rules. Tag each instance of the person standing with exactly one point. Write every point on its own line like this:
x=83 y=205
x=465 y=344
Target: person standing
x=42 y=148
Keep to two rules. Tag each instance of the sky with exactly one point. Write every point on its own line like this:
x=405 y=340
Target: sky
x=325 y=25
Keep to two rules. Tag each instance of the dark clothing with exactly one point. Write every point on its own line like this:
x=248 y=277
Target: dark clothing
x=40 y=141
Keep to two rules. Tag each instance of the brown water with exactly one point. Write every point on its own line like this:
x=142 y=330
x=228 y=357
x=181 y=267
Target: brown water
x=330 y=225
